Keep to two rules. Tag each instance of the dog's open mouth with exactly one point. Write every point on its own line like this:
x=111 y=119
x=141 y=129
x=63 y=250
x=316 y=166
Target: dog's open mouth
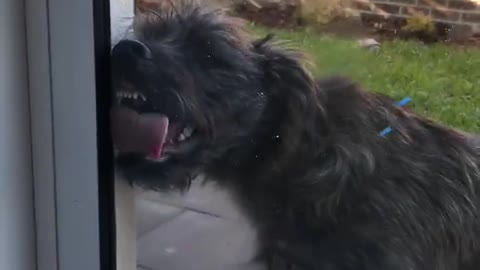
x=148 y=134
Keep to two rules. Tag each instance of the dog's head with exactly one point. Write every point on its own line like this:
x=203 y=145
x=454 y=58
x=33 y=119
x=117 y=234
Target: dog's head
x=190 y=86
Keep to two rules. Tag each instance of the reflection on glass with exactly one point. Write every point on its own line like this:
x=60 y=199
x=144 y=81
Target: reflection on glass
x=284 y=140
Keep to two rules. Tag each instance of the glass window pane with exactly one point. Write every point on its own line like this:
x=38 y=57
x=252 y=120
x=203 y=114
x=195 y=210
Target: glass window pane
x=300 y=134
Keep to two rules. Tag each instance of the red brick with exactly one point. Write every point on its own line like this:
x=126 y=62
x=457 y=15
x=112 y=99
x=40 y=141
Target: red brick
x=411 y=2
x=416 y=11
x=433 y=3
x=462 y=4
x=391 y=9
x=471 y=17
x=443 y=14
x=361 y=5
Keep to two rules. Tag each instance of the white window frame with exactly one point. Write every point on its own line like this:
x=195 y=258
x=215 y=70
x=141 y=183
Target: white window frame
x=17 y=230
x=68 y=44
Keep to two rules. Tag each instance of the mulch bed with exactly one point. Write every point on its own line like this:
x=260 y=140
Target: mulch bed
x=270 y=16
x=391 y=29
x=372 y=27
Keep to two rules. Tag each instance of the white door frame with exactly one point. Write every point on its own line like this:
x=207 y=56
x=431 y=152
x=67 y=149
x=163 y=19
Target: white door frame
x=68 y=44
x=17 y=238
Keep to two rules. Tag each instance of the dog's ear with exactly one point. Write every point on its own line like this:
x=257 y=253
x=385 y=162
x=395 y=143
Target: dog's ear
x=293 y=93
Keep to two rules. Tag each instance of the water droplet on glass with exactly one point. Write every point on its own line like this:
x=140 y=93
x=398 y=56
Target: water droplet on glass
x=170 y=250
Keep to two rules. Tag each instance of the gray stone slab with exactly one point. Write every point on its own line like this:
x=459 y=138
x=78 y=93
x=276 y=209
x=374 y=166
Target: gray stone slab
x=198 y=242
x=207 y=198
x=202 y=230
x=151 y=214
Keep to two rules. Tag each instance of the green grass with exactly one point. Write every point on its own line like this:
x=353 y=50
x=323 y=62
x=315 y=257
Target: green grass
x=444 y=82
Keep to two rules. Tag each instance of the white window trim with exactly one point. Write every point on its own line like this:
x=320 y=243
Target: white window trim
x=17 y=238
x=62 y=85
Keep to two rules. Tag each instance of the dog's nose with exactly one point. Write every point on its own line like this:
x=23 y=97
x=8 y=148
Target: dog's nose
x=131 y=49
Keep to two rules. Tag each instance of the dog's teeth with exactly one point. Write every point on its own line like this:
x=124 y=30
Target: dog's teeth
x=130 y=95
x=181 y=138
x=187 y=131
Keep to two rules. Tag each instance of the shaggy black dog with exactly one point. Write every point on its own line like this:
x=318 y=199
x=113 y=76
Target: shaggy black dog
x=195 y=94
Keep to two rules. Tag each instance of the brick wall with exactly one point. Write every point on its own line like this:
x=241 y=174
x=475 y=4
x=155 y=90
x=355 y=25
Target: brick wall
x=456 y=12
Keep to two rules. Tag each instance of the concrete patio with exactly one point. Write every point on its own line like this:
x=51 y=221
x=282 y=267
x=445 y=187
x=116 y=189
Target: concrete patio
x=202 y=230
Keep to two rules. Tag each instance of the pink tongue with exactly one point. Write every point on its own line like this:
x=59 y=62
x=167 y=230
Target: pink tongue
x=139 y=133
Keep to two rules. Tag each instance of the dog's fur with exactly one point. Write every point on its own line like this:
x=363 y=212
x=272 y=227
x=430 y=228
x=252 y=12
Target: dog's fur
x=304 y=157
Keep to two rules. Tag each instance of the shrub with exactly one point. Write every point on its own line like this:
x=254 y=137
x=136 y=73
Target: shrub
x=322 y=11
x=420 y=23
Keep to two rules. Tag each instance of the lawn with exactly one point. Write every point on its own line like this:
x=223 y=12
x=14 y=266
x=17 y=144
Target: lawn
x=443 y=82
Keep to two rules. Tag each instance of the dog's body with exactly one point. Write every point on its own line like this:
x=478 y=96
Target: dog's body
x=405 y=201
x=304 y=158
